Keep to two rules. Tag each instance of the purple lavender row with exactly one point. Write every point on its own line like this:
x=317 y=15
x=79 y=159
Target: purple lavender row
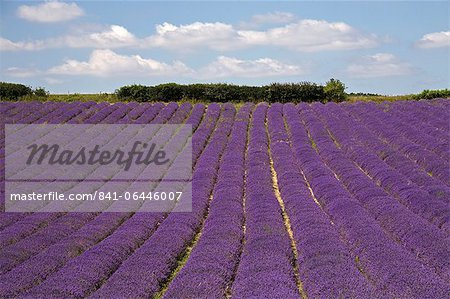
x=407 y=167
x=136 y=111
x=64 y=117
x=389 y=180
x=28 y=226
x=28 y=114
x=432 y=163
x=94 y=119
x=122 y=243
x=266 y=265
x=393 y=113
x=89 y=235
x=145 y=117
x=443 y=105
x=99 y=137
x=180 y=117
x=395 y=159
x=71 y=113
x=422 y=239
x=8 y=109
x=143 y=272
x=61 y=108
x=46 y=218
x=26 y=110
x=85 y=273
x=14 y=113
x=7 y=219
x=422 y=157
x=33 y=114
x=415 y=116
x=394 y=272
x=326 y=266
x=76 y=139
x=415 y=135
x=105 y=115
x=14 y=254
x=438 y=117
x=433 y=112
x=210 y=266
x=96 y=137
x=32 y=111
x=86 y=114
x=5 y=106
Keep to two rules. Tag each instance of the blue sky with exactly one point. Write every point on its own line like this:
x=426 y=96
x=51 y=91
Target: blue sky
x=97 y=46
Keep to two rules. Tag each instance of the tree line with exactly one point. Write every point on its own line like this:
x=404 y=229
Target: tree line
x=333 y=90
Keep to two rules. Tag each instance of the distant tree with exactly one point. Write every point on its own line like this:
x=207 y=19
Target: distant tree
x=135 y=92
x=294 y=92
x=168 y=92
x=40 y=92
x=223 y=92
x=335 y=91
x=433 y=94
x=13 y=91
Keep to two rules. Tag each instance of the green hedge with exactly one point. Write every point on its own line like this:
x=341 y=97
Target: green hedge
x=433 y=94
x=294 y=92
x=13 y=91
x=201 y=92
x=275 y=92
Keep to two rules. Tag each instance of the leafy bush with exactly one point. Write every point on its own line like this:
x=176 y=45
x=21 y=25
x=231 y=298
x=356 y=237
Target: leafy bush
x=202 y=92
x=294 y=92
x=167 y=92
x=433 y=94
x=221 y=92
x=40 y=92
x=136 y=92
x=335 y=91
x=13 y=91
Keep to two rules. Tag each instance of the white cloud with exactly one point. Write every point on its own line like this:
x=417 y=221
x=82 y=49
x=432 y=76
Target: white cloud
x=263 y=67
x=312 y=36
x=8 y=45
x=434 y=40
x=112 y=37
x=304 y=35
x=217 y=36
x=379 y=65
x=108 y=63
x=50 y=12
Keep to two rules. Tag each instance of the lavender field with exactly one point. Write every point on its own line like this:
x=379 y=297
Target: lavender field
x=288 y=201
